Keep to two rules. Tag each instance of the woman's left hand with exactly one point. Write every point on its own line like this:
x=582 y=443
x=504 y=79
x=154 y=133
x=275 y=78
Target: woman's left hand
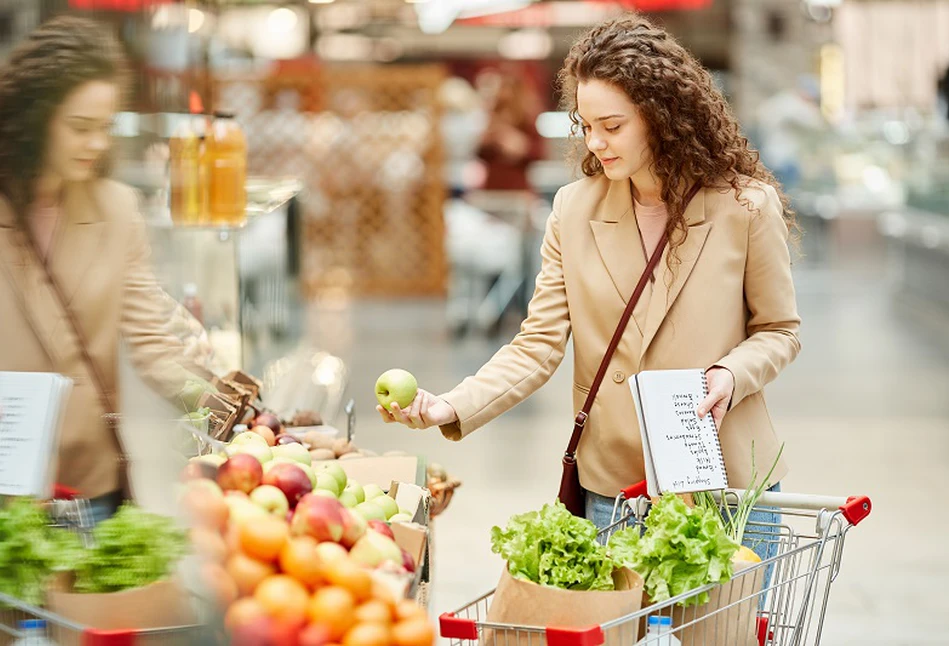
x=721 y=385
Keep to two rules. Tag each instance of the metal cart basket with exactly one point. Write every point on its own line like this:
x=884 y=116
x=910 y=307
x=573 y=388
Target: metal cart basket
x=779 y=601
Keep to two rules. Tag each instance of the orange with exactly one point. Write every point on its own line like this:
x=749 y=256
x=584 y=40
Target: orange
x=248 y=572
x=284 y=598
x=374 y=612
x=264 y=537
x=417 y=631
x=350 y=576
x=407 y=609
x=333 y=607
x=367 y=635
x=299 y=559
x=243 y=611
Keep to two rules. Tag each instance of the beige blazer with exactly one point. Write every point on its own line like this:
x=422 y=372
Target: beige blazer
x=99 y=257
x=729 y=303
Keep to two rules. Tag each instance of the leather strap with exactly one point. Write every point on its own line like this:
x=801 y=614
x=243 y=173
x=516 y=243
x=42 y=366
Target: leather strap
x=584 y=413
x=83 y=346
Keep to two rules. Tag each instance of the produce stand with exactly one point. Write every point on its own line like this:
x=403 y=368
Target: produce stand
x=790 y=609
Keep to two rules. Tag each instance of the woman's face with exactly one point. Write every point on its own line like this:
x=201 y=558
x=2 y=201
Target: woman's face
x=80 y=132
x=613 y=130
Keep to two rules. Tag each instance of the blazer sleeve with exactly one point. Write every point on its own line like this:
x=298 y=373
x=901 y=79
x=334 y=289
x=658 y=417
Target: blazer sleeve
x=527 y=362
x=772 y=319
x=156 y=353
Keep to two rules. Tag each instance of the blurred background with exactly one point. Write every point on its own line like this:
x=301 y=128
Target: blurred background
x=403 y=157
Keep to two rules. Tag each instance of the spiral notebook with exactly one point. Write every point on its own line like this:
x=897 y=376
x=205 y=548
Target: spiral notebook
x=682 y=452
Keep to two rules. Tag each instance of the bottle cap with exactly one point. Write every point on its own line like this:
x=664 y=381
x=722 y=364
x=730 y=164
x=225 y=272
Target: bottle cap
x=32 y=624
x=656 y=620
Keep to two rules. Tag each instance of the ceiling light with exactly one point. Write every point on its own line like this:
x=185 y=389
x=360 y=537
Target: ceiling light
x=282 y=20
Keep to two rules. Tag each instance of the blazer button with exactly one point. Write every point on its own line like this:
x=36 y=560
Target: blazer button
x=619 y=377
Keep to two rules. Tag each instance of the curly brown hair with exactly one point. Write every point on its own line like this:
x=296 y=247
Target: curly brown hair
x=55 y=59
x=693 y=135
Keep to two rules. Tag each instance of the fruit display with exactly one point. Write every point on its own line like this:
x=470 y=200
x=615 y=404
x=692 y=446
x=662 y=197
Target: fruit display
x=294 y=552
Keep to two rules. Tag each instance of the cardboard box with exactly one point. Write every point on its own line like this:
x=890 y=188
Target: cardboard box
x=415 y=537
x=163 y=604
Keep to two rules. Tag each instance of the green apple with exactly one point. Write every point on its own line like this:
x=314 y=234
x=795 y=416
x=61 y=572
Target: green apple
x=396 y=386
x=326 y=493
x=214 y=458
x=386 y=504
x=248 y=438
x=348 y=500
x=271 y=499
x=260 y=451
x=373 y=491
x=370 y=511
x=337 y=472
x=356 y=489
x=401 y=518
x=327 y=482
x=293 y=451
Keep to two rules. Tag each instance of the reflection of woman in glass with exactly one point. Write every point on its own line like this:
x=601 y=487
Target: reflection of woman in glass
x=74 y=276
x=510 y=141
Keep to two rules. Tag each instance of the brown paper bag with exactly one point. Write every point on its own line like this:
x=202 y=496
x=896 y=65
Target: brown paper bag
x=737 y=626
x=524 y=603
x=163 y=604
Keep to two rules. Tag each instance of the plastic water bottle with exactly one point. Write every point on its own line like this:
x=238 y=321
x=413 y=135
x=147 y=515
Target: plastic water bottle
x=33 y=633
x=659 y=633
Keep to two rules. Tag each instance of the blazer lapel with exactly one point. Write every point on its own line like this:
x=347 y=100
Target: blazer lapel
x=617 y=239
x=77 y=248
x=665 y=292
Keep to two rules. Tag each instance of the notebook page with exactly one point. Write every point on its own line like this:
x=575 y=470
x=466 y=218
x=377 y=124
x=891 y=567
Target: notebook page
x=31 y=409
x=686 y=452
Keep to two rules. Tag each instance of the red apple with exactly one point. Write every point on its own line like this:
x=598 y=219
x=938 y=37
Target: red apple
x=269 y=419
x=382 y=527
x=354 y=526
x=407 y=561
x=265 y=432
x=290 y=479
x=241 y=472
x=196 y=469
x=319 y=517
x=286 y=438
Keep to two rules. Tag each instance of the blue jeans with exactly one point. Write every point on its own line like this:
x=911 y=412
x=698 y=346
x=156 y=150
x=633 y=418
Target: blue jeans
x=105 y=506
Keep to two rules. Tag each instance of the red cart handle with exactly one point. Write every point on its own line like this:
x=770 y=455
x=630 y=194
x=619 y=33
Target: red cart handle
x=62 y=492
x=635 y=491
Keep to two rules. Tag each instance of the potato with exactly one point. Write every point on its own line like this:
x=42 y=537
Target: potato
x=317 y=440
x=322 y=454
x=342 y=447
x=350 y=456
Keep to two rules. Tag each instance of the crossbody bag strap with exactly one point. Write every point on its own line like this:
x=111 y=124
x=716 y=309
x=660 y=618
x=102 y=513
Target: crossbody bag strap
x=584 y=413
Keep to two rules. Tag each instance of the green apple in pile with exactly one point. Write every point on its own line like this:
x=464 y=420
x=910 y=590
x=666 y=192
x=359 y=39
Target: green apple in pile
x=398 y=386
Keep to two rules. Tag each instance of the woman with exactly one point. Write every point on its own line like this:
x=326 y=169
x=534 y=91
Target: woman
x=74 y=277
x=722 y=299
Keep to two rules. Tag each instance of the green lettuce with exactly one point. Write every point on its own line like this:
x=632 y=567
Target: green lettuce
x=682 y=549
x=555 y=548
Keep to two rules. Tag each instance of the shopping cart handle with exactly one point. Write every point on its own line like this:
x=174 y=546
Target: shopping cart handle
x=62 y=492
x=856 y=509
x=633 y=492
x=452 y=627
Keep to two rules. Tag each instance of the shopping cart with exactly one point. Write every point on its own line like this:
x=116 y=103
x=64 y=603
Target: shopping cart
x=789 y=610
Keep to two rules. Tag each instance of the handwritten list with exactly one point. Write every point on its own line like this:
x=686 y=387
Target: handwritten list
x=682 y=451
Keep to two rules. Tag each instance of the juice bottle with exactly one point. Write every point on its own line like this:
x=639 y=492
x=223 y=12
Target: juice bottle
x=184 y=160
x=226 y=155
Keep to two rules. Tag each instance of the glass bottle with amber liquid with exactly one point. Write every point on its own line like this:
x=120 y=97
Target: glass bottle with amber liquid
x=225 y=154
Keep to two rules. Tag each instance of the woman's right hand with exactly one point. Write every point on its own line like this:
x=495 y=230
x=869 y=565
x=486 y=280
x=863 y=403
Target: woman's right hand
x=425 y=410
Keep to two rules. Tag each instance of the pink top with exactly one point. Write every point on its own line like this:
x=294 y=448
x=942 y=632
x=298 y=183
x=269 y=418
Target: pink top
x=651 y=221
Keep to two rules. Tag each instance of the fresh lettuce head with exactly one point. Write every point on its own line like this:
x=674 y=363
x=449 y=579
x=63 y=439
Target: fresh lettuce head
x=555 y=548
x=682 y=549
